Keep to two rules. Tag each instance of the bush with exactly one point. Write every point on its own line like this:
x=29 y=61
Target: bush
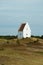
x=42 y=37
x=35 y=36
x=18 y=43
x=8 y=37
x=1 y=49
x=7 y=42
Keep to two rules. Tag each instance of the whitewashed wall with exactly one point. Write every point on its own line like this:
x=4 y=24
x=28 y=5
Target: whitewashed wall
x=20 y=34
x=26 y=31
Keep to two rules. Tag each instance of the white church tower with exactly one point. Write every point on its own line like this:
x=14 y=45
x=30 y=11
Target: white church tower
x=24 y=31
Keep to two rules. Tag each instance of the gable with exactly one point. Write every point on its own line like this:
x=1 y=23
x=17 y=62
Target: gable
x=27 y=29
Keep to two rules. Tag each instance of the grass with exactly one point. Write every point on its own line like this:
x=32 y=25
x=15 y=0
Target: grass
x=20 y=54
x=20 y=57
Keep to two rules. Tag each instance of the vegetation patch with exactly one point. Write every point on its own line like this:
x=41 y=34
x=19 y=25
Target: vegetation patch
x=39 y=52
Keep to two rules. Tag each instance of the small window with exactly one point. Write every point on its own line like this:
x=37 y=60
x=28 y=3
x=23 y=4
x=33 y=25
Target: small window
x=20 y=33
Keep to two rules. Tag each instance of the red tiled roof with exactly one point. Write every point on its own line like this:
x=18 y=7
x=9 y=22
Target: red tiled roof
x=22 y=27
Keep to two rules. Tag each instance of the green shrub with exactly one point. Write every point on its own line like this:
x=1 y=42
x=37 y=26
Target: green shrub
x=2 y=64
x=1 y=49
x=42 y=37
x=7 y=42
x=18 y=42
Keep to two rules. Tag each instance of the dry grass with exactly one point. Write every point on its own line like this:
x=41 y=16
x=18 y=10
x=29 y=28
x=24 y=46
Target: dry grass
x=27 y=53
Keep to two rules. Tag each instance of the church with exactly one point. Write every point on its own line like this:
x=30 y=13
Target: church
x=24 y=31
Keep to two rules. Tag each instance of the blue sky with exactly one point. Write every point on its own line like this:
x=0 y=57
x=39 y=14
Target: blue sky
x=14 y=12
